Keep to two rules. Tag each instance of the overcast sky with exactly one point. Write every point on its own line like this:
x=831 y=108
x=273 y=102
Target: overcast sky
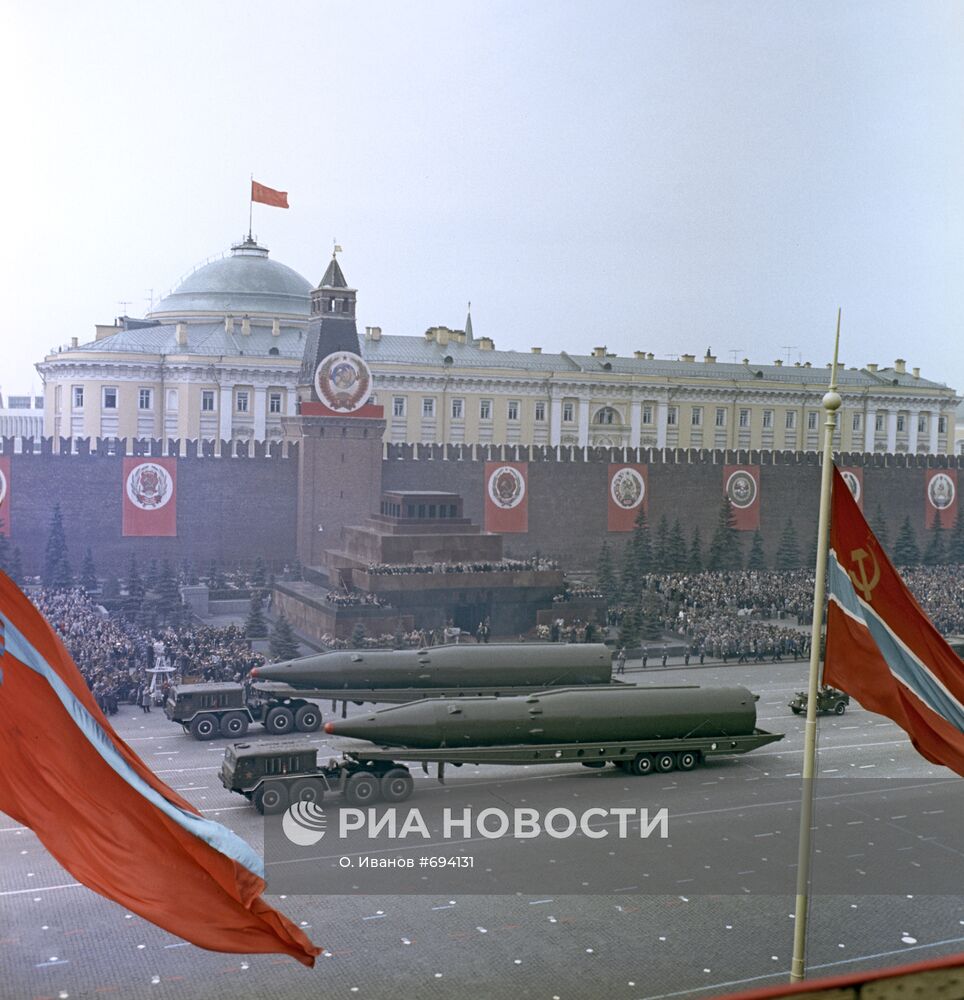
x=660 y=176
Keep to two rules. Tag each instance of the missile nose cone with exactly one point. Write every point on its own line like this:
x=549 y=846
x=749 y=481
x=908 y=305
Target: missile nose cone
x=253 y=671
x=329 y=727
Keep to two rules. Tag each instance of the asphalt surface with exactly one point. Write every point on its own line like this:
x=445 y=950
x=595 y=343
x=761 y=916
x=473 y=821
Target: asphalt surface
x=59 y=940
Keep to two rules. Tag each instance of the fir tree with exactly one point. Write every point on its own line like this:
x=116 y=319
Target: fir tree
x=255 y=627
x=297 y=570
x=661 y=546
x=630 y=627
x=756 y=559
x=153 y=575
x=168 y=594
x=284 y=643
x=651 y=616
x=88 y=572
x=134 y=602
x=676 y=555
x=606 y=575
x=725 y=547
x=259 y=575
x=955 y=543
x=788 y=552
x=56 y=570
x=696 y=552
x=111 y=588
x=878 y=525
x=216 y=580
x=906 y=552
x=642 y=546
x=15 y=569
x=629 y=582
x=935 y=553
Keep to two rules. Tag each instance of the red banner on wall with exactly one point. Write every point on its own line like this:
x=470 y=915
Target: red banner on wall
x=854 y=478
x=506 y=496
x=741 y=483
x=150 y=496
x=940 y=495
x=5 y=496
x=626 y=494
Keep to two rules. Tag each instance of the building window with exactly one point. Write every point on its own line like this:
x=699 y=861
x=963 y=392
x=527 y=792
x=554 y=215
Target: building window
x=813 y=417
x=921 y=423
x=607 y=415
x=512 y=409
x=540 y=411
x=567 y=413
x=398 y=406
x=720 y=417
x=428 y=406
x=458 y=408
x=241 y=401
x=647 y=414
x=767 y=419
x=671 y=416
x=858 y=421
x=172 y=400
x=696 y=417
x=791 y=420
x=485 y=409
x=274 y=402
x=144 y=400
x=942 y=425
x=879 y=422
x=78 y=396
x=901 y=423
x=207 y=401
x=744 y=418
x=110 y=397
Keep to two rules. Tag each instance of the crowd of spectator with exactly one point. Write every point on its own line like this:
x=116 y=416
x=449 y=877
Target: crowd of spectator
x=353 y=599
x=500 y=566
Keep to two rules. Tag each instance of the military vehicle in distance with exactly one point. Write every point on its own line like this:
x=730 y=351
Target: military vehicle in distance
x=828 y=700
x=209 y=710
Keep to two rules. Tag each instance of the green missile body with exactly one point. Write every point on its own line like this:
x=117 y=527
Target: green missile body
x=589 y=714
x=451 y=666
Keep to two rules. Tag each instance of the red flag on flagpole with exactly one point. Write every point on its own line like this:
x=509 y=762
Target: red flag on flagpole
x=268 y=196
x=881 y=647
x=105 y=816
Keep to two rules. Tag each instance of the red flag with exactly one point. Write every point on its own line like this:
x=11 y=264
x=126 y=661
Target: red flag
x=626 y=494
x=4 y=496
x=506 y=496
x=941 y=494
x=882 y=648
x=268 y=196
x=741 y=483
x=105 y=816
x=150 y=497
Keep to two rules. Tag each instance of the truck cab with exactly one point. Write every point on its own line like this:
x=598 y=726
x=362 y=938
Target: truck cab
x=209 y=710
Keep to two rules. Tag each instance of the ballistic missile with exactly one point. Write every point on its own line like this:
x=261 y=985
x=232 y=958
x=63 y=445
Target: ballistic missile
x=576 y=715
x=450 y=666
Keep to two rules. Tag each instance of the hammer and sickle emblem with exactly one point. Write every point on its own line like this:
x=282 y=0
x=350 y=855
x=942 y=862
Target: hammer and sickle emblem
x=865 y=586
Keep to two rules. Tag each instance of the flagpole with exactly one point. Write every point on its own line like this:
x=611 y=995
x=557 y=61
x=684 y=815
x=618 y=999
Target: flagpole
x=250 y=207
x=831 y=403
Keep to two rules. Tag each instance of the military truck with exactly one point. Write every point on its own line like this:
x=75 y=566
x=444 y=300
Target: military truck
x=209 y=710
x=828 y=700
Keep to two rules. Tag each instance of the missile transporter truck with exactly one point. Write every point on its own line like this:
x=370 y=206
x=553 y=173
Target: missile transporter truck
x=637 y=729
x=280 y=692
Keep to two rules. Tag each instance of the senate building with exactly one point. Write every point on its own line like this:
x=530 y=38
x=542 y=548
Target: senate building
x=218 y=359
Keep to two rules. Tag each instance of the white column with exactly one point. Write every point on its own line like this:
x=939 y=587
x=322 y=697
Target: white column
x=913 y=416
x=583 y=422
x=635 y=422
x=555 y=421
x=226 y=412
x=934 y=418
x=291 y=401
x=661 y=411
x=891 y=431
x=260 y=413
x=870 y=429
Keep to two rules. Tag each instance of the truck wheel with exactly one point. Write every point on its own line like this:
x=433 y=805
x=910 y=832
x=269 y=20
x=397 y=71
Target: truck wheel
x=279 y=721
x=361 y=788
x=308 y=790
x=795 y=709
x=642 y=763
x=396 y=785
x=273 y=798
x=687 y=760
x=307 y=719
x=665 y=762
x=839 y=708
x=234 y=724
x=204 y=727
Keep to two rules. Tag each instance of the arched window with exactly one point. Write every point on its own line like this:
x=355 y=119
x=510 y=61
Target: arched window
x=607 y=415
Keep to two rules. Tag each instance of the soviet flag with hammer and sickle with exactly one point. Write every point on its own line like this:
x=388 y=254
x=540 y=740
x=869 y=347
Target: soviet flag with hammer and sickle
x=881 y=647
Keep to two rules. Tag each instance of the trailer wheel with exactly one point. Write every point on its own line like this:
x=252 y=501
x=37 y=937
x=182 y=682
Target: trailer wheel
x=665 y=762
x=361 y=788
x=687 y=760
x=308 y=790
x=307 y=719
x=274 y=798
x=642 y=763
x=234 y=724
x=839 y=708
x=279 y=721
x=396 y=785
x=204 y=727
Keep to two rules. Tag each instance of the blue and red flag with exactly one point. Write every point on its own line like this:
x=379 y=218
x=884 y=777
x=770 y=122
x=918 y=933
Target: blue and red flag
x=107 y=818
x=881 y=647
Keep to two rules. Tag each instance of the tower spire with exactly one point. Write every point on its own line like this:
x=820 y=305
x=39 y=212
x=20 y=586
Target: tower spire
x=468 y=324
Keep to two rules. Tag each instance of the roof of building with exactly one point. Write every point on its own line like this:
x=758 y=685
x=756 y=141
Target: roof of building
x=204 y=338
x=333 y=277
x=247 y=282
